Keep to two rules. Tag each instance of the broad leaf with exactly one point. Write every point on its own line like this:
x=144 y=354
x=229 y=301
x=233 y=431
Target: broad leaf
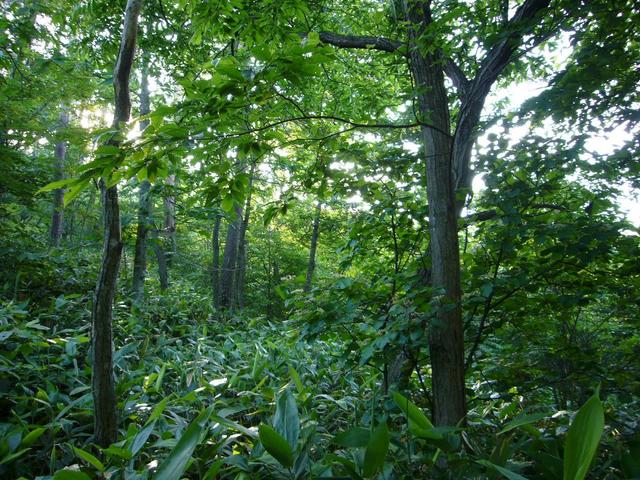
x=174 y=465
x=522 y=420
x=583 y=439
x=276 y=445
x=376 y=452
x=354 y=437
x=286 y=421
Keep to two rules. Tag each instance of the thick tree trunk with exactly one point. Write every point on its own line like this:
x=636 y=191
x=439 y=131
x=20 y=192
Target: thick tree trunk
x=103 y=382
x=311 y=266
x=215 y=267
x=144 y=204
x=57 y=216
x=446 y=340
x=230 y=258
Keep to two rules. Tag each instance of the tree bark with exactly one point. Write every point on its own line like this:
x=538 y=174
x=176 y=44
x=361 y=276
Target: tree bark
x=161 y=257
x=103 y=382
x=170 y=216
x=311 y=266
x=57 y=216
x=215 y=268
x=242 y=246
x=446 y=340
x=229 y=259
x=144 y=203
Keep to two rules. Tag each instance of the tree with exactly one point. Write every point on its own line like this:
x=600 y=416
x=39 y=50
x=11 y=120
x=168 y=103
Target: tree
x=57 y=216
x=315 y=233
x=144 y=205
x=105 y=415
x=448 y=172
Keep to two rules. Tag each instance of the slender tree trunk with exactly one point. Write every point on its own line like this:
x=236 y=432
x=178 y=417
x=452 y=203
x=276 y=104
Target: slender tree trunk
x=242 y=246
x=144 y=203
x=170 y=216
x=161 y=257
x=57 y=217
x=229 y=259
x=314 y=246
x=215 y=267
x=103 y=382
x=446 y=340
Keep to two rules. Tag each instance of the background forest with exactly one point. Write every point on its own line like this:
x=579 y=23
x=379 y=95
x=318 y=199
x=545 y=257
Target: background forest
x=310 y=239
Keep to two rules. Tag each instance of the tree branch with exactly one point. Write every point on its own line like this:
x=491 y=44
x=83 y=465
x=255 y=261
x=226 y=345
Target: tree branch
x=122 y=70
x=364 y=42
x=360 y=42
x=500 y=55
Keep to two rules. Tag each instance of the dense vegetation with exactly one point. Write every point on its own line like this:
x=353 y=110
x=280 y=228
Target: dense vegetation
x=319 y=239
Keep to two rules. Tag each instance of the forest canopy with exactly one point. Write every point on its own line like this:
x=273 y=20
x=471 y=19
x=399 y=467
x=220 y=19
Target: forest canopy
x=307 y=239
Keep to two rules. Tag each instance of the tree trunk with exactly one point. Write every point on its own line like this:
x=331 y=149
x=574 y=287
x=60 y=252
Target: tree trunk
x=314 y=246
x=57 y=217
x=242 y=246
x=229 y=259
x=161 y=257
x=103 y=382
x=170 y=217
x=215 y=268
x=144 y=204
x=446 y=341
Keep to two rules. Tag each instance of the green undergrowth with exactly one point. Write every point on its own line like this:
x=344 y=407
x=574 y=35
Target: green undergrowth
x=205 y=397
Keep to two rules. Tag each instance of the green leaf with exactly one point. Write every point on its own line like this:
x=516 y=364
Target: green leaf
x=32 y=436
x=296 y=379
x=141 y=438
x=583 y=439
x=277 y=446
x=90 y=459
x=286 y=421
x=503 y=471
x=354 y=437
x=13 y=456
x=74 y=191
x=57 y=184
x=174 y=465
x=70 y=475
x=158 y=409
x=376 y=452
x=227 y=204
x=522 y=420
x=412 y=412
x=117 y=452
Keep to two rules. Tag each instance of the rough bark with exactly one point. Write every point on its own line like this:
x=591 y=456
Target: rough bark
x=144 y=204
x=215 y=267
x=229 y=259
x=57 y=216
x=170 y=216
x=311 y=266
x=446 y=341
x=161 y=257
x=103 y=382
x=242 y=246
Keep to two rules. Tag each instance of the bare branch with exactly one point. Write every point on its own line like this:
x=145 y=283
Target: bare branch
x=364 y=42
x=360 y=42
